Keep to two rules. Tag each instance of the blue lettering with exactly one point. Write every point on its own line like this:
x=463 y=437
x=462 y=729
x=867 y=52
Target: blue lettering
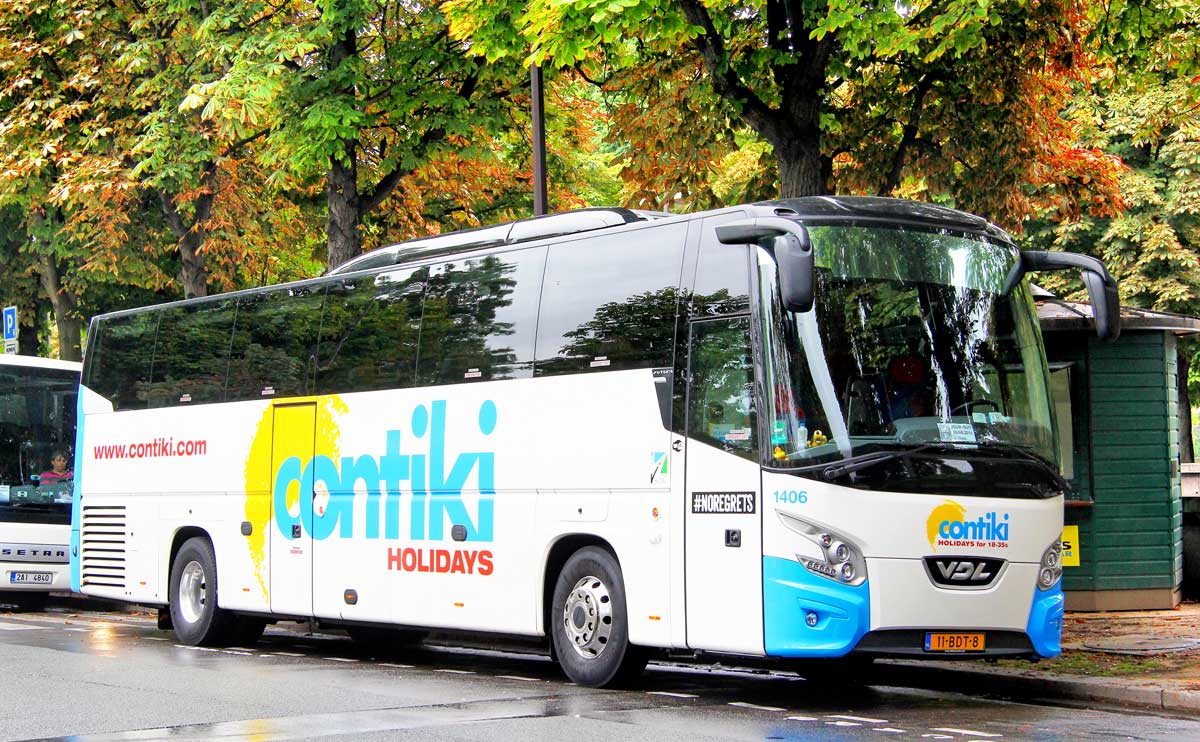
x=289 y=472
x=437 y=495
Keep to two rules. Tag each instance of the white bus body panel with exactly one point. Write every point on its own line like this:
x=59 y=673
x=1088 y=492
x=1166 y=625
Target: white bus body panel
x=724 y=582
x=521 y=463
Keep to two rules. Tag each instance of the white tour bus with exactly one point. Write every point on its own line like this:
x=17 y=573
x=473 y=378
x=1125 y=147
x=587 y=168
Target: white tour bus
x=800 y=429
x=37 y=425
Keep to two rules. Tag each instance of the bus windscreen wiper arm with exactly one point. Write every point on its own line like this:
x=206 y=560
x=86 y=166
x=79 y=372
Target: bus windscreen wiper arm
x=834 y=471
x=1009 y=449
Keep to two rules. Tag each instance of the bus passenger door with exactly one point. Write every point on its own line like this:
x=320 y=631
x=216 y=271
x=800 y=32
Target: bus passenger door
x=723 y=527
x=293 y=436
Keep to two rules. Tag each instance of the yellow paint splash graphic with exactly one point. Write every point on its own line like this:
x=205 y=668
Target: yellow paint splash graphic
x=948 y=510
x=260 y=469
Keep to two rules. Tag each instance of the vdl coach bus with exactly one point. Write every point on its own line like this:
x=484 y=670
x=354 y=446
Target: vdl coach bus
x=37 y=438
x=802 y=429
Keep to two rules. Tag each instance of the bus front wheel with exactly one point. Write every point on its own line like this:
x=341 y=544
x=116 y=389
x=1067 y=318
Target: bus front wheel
x=589 y=625
x=194 y=613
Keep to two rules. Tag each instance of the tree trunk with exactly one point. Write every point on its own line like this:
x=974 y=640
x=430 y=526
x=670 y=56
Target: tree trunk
x=341 y=180
x=801 y=170
x=345 y=207
x=192 y=274
x=190 y=239
x=30 y=320
x=65 y=304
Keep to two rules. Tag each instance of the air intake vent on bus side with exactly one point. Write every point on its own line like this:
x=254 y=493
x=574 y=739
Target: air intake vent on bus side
x=102 y=546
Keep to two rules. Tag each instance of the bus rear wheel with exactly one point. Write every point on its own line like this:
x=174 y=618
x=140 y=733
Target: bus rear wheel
x=194 y=613
x=589 y=625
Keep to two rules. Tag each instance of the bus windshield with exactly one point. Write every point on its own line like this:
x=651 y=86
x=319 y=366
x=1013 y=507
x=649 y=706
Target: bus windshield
x=914 y=371
x=37 y=436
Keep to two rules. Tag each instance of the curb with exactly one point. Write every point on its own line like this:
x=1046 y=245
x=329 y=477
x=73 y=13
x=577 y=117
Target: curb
x=1032 y=683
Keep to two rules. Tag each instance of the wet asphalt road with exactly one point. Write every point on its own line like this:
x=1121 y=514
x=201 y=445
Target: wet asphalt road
x=115 y=676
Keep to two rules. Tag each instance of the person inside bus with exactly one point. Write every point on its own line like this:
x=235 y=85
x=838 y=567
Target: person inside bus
x=58 y=471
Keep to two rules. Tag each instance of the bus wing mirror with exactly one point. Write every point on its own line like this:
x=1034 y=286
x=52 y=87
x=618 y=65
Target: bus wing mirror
x=793 y=252
x=1101 y=286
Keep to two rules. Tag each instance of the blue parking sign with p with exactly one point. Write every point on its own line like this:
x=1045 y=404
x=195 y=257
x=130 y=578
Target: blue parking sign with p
x=10 y=323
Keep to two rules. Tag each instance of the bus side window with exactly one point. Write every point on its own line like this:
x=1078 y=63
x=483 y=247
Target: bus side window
x=191 y=355
x=721 y=404
x=274 y=336
x=609 y=302
x=369 y=332
x=479 y=318
x=120 y=363
x=722 y=276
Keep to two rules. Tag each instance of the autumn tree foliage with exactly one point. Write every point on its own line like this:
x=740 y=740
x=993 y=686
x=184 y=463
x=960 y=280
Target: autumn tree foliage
x=955 y=101
x=1144 y=108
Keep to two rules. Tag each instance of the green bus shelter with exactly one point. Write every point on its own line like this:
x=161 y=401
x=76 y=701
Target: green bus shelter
x=1123 y=417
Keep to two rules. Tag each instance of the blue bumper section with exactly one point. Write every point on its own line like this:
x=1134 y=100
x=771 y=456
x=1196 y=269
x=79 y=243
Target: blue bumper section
x=1046 y=621
x=791 y=592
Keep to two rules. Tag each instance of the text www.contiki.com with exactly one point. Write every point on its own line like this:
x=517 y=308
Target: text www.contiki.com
x=157 y=448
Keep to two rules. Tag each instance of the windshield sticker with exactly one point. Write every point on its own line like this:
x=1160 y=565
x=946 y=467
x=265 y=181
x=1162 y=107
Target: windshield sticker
x=779 y=433
x=957 y=432
x=738 y=434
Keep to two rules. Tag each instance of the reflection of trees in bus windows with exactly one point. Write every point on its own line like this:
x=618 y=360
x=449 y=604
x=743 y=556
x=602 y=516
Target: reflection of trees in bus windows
x=369 y=332
x=479 y=317
x=612 y=304
x=722 y=385
x=274 y=335
x=191 y=354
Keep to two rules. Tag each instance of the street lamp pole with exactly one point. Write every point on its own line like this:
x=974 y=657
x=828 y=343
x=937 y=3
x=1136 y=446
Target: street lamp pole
x=539 y=141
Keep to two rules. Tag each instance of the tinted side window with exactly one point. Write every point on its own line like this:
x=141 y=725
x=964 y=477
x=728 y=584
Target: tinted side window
x=274 y=339
x=370 y=331
x=721 y=396
x=119 y=368
x=610 y=302
x=479 y=318
x=722 y=276
x=191 y=356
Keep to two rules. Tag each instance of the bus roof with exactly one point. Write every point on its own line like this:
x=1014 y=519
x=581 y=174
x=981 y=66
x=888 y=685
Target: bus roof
x=39 y=362
x=511 y=235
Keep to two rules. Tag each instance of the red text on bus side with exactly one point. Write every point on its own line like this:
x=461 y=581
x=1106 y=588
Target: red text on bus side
x=440 y=560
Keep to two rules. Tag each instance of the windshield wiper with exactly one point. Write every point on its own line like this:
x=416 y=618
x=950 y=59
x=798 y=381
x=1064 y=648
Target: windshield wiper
x=1012 y=450
x=830 y=472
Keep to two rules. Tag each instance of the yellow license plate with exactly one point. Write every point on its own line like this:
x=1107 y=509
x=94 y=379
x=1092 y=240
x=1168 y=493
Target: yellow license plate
x=938 y=642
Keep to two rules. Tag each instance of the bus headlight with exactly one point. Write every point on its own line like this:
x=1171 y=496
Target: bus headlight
x=1050 y=570
x=843 y=561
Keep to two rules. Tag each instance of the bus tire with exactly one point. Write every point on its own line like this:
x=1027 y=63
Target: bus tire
x=589 y=624
x=194 y=613
x=247 y=631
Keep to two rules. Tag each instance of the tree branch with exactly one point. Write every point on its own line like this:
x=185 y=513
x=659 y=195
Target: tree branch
x=725 y=81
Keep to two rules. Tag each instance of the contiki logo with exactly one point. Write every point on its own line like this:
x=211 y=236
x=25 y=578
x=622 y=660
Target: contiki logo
x=948 y=526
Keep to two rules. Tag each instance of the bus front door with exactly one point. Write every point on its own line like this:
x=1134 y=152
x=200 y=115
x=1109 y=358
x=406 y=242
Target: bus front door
x=293 y=435
x=723 y=527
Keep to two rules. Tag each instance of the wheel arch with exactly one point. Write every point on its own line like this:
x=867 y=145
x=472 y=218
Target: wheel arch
x=557 y=555
x=178 y=539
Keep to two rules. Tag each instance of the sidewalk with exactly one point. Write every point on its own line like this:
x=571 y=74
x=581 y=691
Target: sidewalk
x=1138 y=658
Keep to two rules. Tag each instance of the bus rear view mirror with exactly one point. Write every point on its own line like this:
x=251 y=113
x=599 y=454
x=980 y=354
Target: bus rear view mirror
x=793 y=252
x=1101 y=286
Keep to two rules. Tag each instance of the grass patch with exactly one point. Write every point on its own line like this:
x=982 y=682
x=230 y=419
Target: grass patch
x=1095 y=664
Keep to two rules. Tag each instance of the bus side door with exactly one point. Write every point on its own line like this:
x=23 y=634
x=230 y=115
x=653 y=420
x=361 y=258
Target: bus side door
x=293 y=440
x=723 y=526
